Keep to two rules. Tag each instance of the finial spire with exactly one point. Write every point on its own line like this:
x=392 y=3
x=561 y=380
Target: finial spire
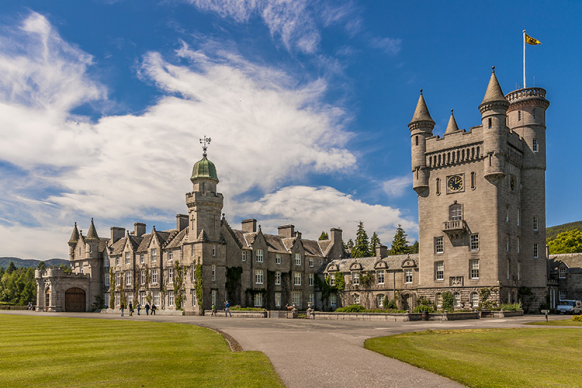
x=205 y=143
x=452 y=126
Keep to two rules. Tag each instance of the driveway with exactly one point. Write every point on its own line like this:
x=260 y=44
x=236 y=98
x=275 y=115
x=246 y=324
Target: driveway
x=309 y=353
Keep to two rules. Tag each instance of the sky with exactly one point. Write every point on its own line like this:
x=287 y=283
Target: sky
x=307 y=103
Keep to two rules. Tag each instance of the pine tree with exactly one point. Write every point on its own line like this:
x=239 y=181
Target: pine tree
x=374 y=241
x=324 y=236
x=11 y=268
x=399 y=244
x=414 y=247
x=349 y=244
x=41 y=265
x=361 y=247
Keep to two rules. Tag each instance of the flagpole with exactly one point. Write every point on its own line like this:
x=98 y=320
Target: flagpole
x=524 y=59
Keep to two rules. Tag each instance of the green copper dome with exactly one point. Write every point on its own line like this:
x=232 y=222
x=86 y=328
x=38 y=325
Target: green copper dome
x=204 y=169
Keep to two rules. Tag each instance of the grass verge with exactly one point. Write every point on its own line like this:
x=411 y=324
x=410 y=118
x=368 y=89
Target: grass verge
x=557 y=322
x=70 y=352
x=491 y=358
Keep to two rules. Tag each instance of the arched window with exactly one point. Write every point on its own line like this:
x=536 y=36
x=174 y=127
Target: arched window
x=455 y=212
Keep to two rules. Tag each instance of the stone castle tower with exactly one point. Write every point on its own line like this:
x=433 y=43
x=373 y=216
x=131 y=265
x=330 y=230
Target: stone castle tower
x=481 y=199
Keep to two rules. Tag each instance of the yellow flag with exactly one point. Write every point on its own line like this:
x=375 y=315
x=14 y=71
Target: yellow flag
x=532 y=41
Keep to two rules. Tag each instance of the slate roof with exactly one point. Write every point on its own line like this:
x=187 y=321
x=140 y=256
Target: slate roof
x=572 y=260
x=177 y=241
x=368 y=263
x=279 y=244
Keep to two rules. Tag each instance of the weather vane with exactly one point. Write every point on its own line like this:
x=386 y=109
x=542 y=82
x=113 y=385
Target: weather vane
x=205 y=143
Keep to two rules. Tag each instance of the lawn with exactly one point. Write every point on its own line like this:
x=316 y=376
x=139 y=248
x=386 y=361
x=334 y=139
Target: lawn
x=557 y=322
x=492 y=358
x=69 y=352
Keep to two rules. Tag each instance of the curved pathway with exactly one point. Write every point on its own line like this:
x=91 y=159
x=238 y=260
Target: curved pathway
x=324 y=353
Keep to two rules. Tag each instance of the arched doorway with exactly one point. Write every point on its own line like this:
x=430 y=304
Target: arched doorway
x=47 y=299
x=75 y=300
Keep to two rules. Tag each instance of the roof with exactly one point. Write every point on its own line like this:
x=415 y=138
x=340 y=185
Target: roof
x=572 y=260
x=281 y=245
x=421 y=112
x=204 y=168
x=75 y=236
x=493 y=92
x=92 y=233
x=178 y=240
x=369 y=263
x=452 y=126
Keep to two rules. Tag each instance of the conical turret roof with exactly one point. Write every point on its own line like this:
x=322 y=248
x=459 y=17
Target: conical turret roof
x=92 y=233
x=75 y=236
x=452 y=126
x=421 y=112
x=493 y=92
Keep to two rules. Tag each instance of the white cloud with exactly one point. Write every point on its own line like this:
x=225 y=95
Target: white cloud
x=397 y=187
x=316 y=209
x=390 y=46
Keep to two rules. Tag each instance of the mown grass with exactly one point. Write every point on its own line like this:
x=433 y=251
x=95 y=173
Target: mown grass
x=68 y=352
x=558 y=322
x=491 y=358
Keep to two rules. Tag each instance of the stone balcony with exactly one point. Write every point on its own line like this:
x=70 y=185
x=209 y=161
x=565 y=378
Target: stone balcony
x=456 y=227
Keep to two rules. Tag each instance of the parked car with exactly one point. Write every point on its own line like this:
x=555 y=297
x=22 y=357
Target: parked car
x=570 y=307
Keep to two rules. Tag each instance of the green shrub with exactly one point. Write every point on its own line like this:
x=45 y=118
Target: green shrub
x=448 y=300
x=390 y=304
x=353 y=308
x=423 y=300
x=238 y=308
x=577 y=318
x=421 y=308
x=510 y=307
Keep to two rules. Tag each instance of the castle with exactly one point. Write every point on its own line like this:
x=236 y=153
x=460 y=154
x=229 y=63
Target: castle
x=481 y=198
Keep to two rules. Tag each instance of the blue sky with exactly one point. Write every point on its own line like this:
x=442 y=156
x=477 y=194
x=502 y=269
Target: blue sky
x=307 y=103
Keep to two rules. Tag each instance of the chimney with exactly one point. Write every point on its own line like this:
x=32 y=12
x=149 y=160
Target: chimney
x=381 y=251
x=116 y=233
x=249 y=226
x=298 y=235
x=139 y=229
x=335 y=234
x=181 y=221
x=286 y=231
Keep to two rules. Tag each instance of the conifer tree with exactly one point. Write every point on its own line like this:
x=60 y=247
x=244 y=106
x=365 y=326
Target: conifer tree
x=399 y=244
x=11 y=268
x=374 y=241
x=324 y=236
x=362 y=246
x=349 y=244
x=414 y=247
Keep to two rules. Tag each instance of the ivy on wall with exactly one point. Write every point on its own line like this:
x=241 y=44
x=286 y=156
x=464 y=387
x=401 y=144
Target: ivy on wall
x=198 y=278
x=178 y=280
x=112 y=288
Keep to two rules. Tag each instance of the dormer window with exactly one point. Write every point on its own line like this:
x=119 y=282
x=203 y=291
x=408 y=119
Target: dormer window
x=154 y=254
x=563 y=271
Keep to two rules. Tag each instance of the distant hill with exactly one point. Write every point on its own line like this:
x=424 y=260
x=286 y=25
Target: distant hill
x=553 y=231
x=19 y=263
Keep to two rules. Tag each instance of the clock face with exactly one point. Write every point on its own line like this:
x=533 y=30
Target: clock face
x=455 y=183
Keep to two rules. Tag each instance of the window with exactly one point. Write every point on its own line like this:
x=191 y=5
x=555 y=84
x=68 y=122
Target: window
x=105 y=260
x=244 y=256
x=474 y=266
x=535 y=145
x=518 y=245
x=474 y=299
x=106 y=280
x=473 y=181
x=277 y=299
x=154 y=276
x=311 y=279
x=296 y=278
x=259 y=255
x=117 y=261
x=507 y=246
x=356 y=299
x=563 y=272
x=154 y=254
x=519 y=270
x=127 y=258
x=171 y=274
x=457 y=298
x=106 y=300
x=535 y=223
x=407 y=276
x=512 y=183
x=214 y=297
x=508 y=268
x=506 y=213
x=311 y=299
x=518 y=115
x=213 y=272
x=474 y=242
x=142 y=276
x=518 y=217
x=562 y=295
x=156 y=300
x=259 y=276
x=355 y=278
x=535 y=250
x=214 y=251
x=170 y=298
x=489 y=123
x=278 y=278
x=296 y=298
x=311 y=262
x=142 y=258
x=455 y=212
x=298 y=259
x=277 y=259
x=117 y=300
x=439 y=300
x=380 y=301
x=142 y=298
x=438 y=186
x=170 y=257
x=117 y=278
x=332 y=280
x=81 y=271
x=258 y=300
x=439 y=268
x=380 y=276
x=333 y=300
x=439 y=245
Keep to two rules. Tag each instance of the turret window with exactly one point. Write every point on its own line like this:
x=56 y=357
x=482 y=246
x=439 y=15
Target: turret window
x=438 y=186
x=535 y=249
x=518 y=115
x=535 y=223
x=490 y=123
x=535 y=145
x=416 y=139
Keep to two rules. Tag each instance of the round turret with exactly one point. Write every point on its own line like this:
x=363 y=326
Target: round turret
x=421 y=127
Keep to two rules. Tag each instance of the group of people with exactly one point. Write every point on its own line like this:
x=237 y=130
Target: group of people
x=226 y=309
x=138 y=306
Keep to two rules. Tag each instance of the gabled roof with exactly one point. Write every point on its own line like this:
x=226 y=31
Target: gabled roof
x=279 y=244
x=145 y=243
x=369 y=263
x=117 y=247
x=325 y=246
x=571 y=260
x=178 y=239
x=312 y=248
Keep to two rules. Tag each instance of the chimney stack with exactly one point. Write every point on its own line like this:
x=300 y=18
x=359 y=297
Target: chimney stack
x=116 y=233
x=139 y=229
x=249 y=226
x=286 y=231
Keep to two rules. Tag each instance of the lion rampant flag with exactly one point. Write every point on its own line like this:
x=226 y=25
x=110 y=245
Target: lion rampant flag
x=532 y=41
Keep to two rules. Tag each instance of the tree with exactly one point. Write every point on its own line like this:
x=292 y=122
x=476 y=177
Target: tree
x=324 y=236
x=41 y=265
x=414 y=247
x=11 y=268
x=566 y=242
x=399 y=244
x=361 y=247
x=374 y=241
x=349 y=245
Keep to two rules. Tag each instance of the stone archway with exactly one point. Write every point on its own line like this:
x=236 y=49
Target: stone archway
x=47 y=299
x=75 y=300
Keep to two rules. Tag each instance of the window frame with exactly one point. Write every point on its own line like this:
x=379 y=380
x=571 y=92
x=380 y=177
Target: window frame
x=297 y=278
x=355 y=278
x=408 y=276
x=259 y=256
x=298 y=259
x=439 y=274
x=474 y=242
x=474 y=267
x=310 y=280
x=278 y=278
x=380 y=278
x=259 y=276
x=439 y=242
x=278 y=259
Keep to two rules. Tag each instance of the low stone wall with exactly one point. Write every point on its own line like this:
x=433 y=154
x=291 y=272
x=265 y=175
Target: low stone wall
x=363 y=316
x=238 y=313
x=142 y=312
x=500 y=314
x=277 y=314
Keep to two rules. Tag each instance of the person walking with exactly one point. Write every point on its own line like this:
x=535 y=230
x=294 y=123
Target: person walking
x=122 y=306
x=213 y=313
x=130 y=309
x=227 y=309
x=138 y=308
x=154 y=308
x=147 y=307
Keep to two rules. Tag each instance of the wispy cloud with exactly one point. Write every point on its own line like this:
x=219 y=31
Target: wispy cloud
x=397 y=187
x=390 y=46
